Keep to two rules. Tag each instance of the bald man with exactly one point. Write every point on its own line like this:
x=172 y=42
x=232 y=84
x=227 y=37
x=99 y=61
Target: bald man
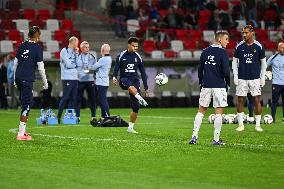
x=102 y=68
x=277 y=63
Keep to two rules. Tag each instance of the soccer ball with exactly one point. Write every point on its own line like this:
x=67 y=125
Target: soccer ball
x=267 y=119
x=268 y=75
x=229 y=119
x=211 y=118
x=161 y=79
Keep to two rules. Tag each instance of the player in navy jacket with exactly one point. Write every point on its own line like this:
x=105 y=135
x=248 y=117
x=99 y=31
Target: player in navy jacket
x=128 y=62
x=249 y=66
x=214 y=80
x=29 y=56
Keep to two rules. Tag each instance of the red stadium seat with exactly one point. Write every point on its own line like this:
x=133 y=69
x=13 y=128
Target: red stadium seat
x=195 y=35
x=230 y=53
x=232 y=44
x=189 y=45
x=43 y=14
x=270 y=45
x=204 y=14
x=169 y=54
x=56 y=54
x=61 y=36
x=149 y=46
x=58 y=14
x=182 y=34
x=270 y=15
x=14 y=15
x=29 y=14
x=201 y=44
x=163 y=13
x=163 y=45
x=7 y=24
x=66 y=24
x=14 y=35
x=75 y=33
x=224 y=5
x=261 y=35
x=38 y=23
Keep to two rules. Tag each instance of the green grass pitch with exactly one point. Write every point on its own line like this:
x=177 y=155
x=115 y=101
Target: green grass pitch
x=158 y=157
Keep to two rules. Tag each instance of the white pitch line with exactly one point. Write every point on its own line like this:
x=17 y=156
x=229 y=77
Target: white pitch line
x=14 y=130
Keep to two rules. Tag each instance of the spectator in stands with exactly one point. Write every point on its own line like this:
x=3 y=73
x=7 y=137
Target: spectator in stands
x=69 y=75
x=279 y=24
x=117 y=13
x=162 y=37
x=190 y=20
x=154 y=15
x=166 y=4
x=173 y=20
x=130 y=11
x=151 y=32
x=250 y=9
x=86 y=81
x=214 y=20
x=225 y=20
x=3 y=83
x=10 y=78
x=102 y=68
x=142 y=16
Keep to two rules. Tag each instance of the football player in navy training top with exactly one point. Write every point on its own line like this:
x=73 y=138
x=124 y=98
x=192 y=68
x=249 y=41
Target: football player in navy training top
x=249 y=66
x=29 y=56
x=127 y=63
x=214 y=81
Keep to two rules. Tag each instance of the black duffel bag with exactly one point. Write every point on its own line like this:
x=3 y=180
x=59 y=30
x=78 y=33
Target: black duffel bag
x=111 y=121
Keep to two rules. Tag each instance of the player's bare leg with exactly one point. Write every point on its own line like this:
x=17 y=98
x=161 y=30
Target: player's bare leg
x=133 y=117
x=132 y=90
x=240 y=114
x=258 y=110
x=197 y=124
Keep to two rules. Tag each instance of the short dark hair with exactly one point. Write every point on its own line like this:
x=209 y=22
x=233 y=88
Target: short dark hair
x=133 y=39
x=33 y=30
x=220 y=33
x=249 y=27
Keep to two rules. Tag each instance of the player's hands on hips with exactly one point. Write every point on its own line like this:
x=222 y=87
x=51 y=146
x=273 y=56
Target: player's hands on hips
x=236 y=80
x=262 y=81
x=114 y=81
x=45 y=86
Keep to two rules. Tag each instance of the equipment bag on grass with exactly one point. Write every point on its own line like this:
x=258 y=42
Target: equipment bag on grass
x=112 y=121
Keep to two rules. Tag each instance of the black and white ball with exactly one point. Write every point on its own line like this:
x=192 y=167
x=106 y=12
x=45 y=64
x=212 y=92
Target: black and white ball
x=211 y=118
x=161 y=79
x=267 y=119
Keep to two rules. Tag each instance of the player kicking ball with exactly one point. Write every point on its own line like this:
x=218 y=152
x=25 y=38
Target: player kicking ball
x=214 y=80
x=29 y=56
x=249 y=66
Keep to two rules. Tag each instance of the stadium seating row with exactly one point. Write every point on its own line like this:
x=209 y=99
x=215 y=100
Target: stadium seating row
x=32 y=14
x=50 y=24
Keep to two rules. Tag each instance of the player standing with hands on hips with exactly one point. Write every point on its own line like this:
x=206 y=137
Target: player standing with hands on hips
x=249 y=66
x=29 y=56
x=127 y=63
x=214 y=80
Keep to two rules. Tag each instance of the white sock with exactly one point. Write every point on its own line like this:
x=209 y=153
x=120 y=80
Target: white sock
x=22 y=128
x=257 y=120
x=197 y=123
x=138 y=96
x=217 y=126
x=130 y=125
x=240 y=117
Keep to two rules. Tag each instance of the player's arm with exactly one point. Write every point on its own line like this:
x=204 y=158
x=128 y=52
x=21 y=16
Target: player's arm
x=201 y=70
x=40 y=66
x=226 y=69
x=66 y=61
x=97 y=65
x=115 y=71
x=14 y=70
x=263 y=67
x=144 y=76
